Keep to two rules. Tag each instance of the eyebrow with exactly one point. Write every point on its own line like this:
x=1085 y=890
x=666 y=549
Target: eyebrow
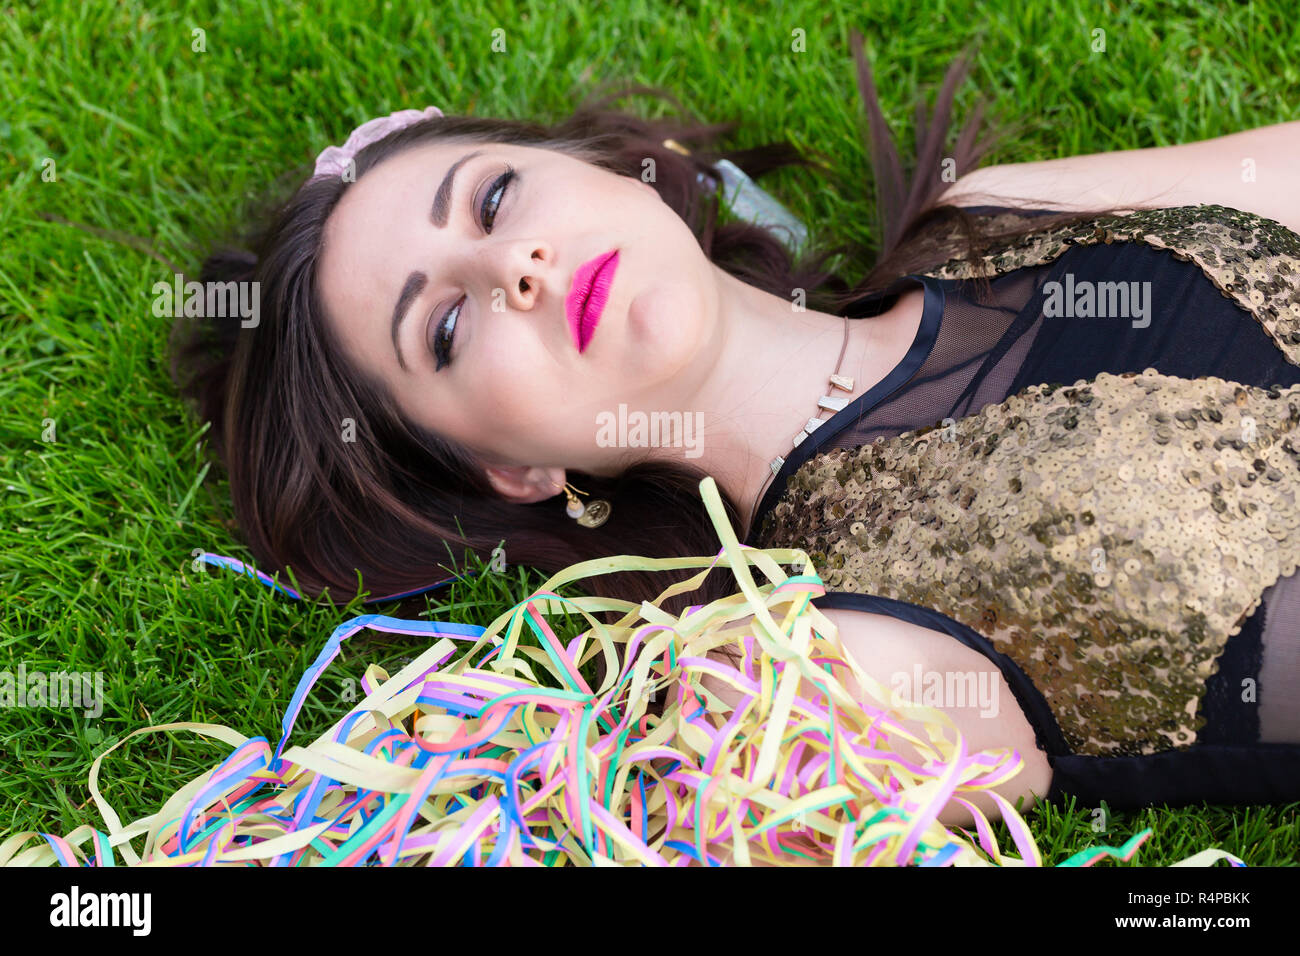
x=416 y=281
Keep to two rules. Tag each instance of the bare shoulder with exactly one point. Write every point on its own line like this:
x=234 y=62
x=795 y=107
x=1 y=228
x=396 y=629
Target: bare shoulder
x=934 y=668
x=894 y=652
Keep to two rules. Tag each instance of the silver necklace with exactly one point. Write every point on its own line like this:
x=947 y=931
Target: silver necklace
x=827 y=403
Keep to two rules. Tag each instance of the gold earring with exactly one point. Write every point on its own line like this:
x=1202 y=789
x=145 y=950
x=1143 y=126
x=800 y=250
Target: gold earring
x=591 y=515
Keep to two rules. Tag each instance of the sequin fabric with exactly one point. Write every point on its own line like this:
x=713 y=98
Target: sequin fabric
x=1252 y=260
x=1108 y=536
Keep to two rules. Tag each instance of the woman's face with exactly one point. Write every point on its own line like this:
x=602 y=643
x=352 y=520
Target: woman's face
x=488 y=357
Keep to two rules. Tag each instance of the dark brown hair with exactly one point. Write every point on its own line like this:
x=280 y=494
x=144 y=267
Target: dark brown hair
x=399 y=501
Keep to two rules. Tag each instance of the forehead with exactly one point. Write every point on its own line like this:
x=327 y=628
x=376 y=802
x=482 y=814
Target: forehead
x=384 y=211
x=372 y=205
x=412 y=176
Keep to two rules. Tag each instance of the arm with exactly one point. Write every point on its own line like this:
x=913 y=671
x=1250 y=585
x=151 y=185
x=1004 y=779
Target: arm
x=1212 y=171
x=888 y=648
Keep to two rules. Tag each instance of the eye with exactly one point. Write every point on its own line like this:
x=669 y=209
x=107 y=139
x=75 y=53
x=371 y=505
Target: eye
x=498 y=189
x=445 y=332
x=445 y=335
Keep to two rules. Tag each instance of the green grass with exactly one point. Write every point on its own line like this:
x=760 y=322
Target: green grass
x=151 y=138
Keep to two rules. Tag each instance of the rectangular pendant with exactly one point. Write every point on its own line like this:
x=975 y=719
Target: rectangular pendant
x=842 y=381
x=808 y=429
x=832 y=404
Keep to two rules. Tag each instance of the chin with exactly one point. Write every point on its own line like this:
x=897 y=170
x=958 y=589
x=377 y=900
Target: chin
x=663 y=323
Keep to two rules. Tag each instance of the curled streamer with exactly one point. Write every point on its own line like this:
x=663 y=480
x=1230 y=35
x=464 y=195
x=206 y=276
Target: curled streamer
x=465 y=757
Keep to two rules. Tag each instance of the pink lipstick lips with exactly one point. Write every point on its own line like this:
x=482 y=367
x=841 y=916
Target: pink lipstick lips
x=587 y=298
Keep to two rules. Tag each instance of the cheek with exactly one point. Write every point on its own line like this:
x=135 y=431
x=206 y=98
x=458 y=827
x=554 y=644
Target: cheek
x=536 y=411
x=511 y=388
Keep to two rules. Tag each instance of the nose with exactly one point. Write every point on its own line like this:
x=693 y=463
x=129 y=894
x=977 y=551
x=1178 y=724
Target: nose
x=533 y=280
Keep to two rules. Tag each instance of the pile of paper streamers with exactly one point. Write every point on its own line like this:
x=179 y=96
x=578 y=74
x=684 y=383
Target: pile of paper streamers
x=468 y=759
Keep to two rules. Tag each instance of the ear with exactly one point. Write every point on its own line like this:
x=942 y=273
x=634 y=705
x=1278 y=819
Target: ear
x=523 y=484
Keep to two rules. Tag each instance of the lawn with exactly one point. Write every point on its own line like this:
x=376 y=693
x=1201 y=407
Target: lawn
x=163 y=120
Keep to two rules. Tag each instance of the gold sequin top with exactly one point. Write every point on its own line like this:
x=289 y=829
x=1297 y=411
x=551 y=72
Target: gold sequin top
x=1105 y=497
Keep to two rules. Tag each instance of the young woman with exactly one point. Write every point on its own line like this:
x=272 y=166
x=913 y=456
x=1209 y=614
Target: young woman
x=1059 y=448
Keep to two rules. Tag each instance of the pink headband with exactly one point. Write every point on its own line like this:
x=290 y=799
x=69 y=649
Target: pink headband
x=333 y=160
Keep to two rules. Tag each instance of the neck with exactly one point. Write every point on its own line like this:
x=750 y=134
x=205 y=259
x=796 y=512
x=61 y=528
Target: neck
x=771 y=366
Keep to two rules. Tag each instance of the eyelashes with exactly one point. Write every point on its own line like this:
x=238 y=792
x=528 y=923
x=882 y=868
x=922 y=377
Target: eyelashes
x=445 y=332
